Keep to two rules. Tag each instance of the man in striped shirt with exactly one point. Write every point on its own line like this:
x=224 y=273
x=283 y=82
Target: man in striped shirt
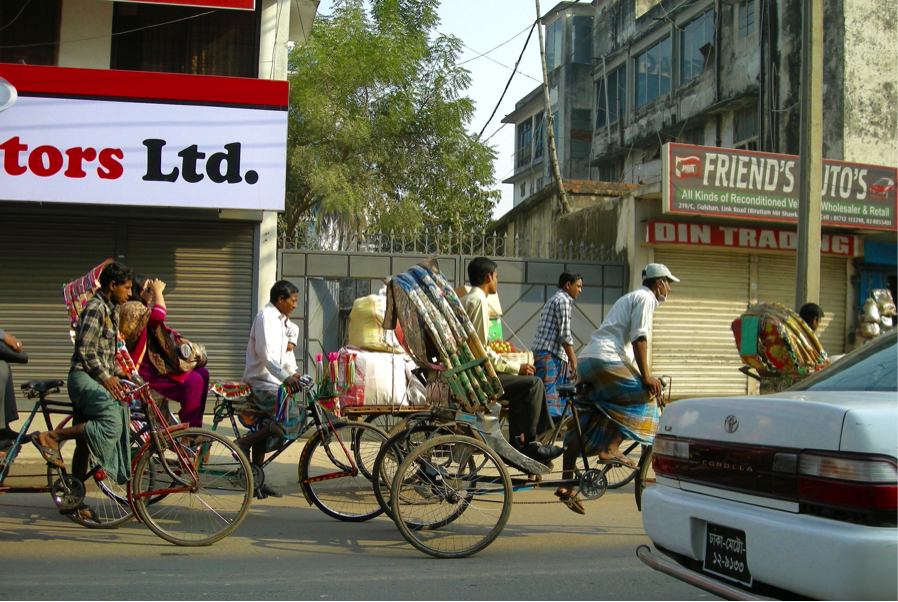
x=553 y=345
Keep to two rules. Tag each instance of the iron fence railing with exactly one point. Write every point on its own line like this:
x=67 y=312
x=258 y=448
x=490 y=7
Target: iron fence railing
x=457 y=243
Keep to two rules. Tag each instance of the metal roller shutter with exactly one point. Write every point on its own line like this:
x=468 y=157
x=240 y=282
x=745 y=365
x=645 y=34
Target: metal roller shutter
x=208 y=271
x=776 y=283
x=691 y=337
x=40 y=255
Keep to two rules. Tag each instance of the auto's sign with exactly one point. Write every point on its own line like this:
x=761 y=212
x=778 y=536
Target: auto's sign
x=233 y=4
x=149 y=139
x=750 y=185
x=746 y=238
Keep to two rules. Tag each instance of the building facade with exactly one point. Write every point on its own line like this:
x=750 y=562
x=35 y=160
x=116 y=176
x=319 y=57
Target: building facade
x=153 y=133
x=726 y=75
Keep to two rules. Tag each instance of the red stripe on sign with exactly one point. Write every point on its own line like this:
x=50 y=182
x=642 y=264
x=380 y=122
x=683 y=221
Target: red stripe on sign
x=140 y=85
x=232 y=4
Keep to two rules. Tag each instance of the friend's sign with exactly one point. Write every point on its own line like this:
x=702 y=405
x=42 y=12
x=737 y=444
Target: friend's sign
x=106 y=137
x=745 y=184
x=746 y=238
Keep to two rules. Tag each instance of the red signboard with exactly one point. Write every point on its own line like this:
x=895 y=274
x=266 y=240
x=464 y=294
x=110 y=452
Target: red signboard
x=232 y=4
x=744 y=237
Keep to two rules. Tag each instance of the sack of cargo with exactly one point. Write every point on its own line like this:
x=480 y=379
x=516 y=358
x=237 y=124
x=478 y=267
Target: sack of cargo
x=772 y=338
x=375 y=378
x=366 y=329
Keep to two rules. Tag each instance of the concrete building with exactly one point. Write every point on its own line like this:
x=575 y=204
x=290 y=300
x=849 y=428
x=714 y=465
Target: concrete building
x=153 y=133
x=726 y=74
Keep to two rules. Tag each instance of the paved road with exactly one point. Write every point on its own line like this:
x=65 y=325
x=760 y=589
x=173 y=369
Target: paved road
x=288 y=550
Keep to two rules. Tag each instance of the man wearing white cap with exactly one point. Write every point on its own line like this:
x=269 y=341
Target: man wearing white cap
x=615 y=364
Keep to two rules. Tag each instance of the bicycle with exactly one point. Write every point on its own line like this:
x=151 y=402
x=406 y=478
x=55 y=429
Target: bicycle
x=335 y=466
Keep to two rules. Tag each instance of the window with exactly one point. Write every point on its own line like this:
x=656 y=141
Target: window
x=616 y=98
x=582 y=40
x=553 y=44
x=871 y=368
x=220 y=43
x=746 y=17
x=746 y=128
x=580 y=133
x=653 y=72
x=523 y=190
x=539 y=135
x=696 y=46
x=611 y=172
x=525 y=134
x=34 y=37
x=694 y=136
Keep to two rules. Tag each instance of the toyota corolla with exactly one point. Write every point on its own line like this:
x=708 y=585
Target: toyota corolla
x=789 y=495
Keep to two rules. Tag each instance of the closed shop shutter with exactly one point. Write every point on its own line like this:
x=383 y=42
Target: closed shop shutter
x=208 y=271
x=776 y=283
x=40 y=255
x=692 y=341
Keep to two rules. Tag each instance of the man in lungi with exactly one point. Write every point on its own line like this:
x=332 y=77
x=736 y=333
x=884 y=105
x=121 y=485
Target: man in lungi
x=553 y=345
x=528 y=412
x=623 y=390
x=100 y=423
x=271 y=374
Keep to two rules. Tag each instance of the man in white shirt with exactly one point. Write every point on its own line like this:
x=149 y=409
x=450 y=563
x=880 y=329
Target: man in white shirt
x=528 y=411
x=270 y=367
x=622 y=392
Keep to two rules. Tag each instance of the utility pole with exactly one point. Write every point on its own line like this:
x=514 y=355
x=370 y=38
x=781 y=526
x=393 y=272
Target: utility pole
x=550 y=120
x=810 y=174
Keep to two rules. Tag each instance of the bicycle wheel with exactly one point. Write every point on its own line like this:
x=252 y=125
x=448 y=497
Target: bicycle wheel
x=385 y=422
x=336 y=470
x=448 y=504
x=106 y=499
x=645 y=475
x=618 y=476
x=208 y=489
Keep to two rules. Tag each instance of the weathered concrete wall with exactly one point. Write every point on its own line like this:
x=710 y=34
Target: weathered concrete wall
x=871 y=82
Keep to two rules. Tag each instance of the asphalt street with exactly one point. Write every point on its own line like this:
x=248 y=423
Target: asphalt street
x=286 y=549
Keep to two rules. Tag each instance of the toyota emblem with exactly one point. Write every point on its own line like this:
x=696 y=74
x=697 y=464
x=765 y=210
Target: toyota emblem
x=731 y=424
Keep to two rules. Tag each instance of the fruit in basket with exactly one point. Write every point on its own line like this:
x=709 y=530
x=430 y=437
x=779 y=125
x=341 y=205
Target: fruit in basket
x=503 y=347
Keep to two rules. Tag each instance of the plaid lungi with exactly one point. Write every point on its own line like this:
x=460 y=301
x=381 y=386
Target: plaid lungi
x=264 y=401
x=553 y=372
x=619 y=402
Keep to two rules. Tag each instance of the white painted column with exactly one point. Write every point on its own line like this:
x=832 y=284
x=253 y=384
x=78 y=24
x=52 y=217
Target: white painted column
x=267 y=257
x=82 y=19
x=273 y=39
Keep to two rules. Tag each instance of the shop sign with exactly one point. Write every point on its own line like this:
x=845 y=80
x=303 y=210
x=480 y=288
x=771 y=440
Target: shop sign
x=106 y=137
x=234 y=4
x=741 y=237
x=744 y=184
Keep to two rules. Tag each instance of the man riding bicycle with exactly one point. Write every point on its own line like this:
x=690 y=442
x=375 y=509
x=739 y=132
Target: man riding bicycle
x=621 y=398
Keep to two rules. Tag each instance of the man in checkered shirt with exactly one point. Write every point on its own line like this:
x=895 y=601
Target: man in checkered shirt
x=553 y=345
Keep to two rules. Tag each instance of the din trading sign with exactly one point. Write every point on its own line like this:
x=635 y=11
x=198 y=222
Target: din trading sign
x=749 y=185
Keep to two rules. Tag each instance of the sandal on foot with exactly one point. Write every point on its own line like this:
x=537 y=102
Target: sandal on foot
x=50 y=455
x=82 y=513
x=618 y=461
x=570 y=500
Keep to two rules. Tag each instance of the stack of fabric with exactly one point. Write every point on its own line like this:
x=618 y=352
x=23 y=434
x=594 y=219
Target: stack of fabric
x=439 y=336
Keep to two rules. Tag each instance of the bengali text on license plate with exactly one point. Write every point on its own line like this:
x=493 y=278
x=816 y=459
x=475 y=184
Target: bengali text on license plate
x=725 y=553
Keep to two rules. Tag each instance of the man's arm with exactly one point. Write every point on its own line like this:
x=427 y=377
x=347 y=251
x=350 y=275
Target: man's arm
x=478 y=311
x=267 y=343
x=640 y=353
x=565 y=337
x=88 y=343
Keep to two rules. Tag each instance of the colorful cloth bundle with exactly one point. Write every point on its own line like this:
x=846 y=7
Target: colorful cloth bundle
x=772 y=338
x=438 y=334
x=78 y=292
x=230 y=390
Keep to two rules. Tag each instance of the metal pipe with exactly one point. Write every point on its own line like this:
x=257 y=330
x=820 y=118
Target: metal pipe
x=727 y=592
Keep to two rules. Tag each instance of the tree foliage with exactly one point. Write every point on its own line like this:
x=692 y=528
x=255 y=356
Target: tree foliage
x=377 y=123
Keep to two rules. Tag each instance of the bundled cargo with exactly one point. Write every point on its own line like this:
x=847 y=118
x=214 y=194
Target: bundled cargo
x=366 y=329
x=438 y=335
x=774 y=340
x=372 y=377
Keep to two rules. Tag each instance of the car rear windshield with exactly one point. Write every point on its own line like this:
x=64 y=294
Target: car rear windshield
x=873 y=367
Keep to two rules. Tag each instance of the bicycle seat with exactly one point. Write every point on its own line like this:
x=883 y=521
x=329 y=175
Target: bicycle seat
x=42 y=386
x=571 y=389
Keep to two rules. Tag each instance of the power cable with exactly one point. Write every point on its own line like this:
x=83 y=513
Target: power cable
x=508 y=83
x=17 y=16
x=492 y=49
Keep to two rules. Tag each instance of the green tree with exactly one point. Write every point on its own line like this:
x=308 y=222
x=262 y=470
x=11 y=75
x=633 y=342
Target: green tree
x=377 y=123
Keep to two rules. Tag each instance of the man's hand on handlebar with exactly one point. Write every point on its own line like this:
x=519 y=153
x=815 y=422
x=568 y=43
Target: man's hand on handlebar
x=292 y=383
x=654 y=386
x=116 y=388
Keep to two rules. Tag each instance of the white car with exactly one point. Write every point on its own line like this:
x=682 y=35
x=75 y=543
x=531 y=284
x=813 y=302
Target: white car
x=785 y=495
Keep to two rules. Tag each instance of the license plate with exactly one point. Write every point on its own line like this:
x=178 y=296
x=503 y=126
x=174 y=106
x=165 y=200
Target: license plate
x=725 y=553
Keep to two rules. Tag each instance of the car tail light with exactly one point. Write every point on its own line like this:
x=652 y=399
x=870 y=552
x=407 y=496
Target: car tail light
x=848 y=482
x=669 y=456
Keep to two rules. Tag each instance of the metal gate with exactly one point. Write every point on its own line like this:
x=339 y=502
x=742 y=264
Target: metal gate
x=329 y=281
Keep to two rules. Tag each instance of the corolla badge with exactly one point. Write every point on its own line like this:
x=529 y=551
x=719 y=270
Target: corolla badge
x=8 y=94
x=731 y=423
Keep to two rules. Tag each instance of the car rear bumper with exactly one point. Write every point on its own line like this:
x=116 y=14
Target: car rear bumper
x=807 y=555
